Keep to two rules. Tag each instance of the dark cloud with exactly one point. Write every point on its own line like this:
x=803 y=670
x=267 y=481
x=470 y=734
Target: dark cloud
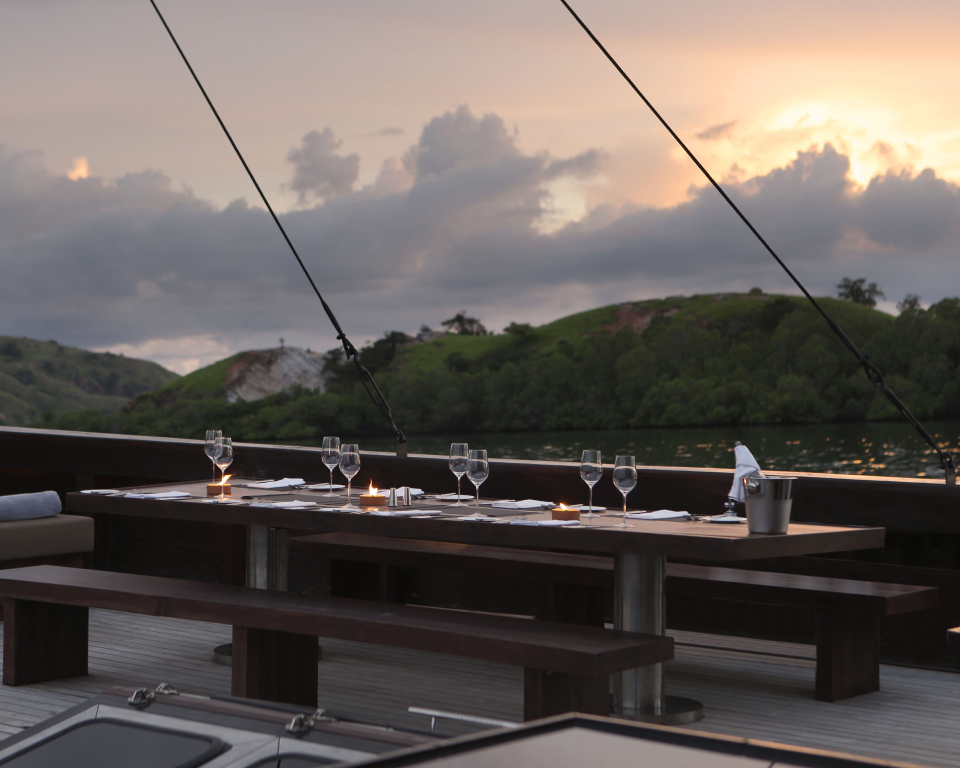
x=319 y=172
x=96 y=263
x=715 y=132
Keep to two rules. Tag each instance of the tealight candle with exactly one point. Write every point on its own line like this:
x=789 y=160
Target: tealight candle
x=563 y=512
x=372 y=498
x=215 y=489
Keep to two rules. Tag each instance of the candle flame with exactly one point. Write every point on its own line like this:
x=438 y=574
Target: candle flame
x=563 y=507
x=225 y=478
x=372 y=491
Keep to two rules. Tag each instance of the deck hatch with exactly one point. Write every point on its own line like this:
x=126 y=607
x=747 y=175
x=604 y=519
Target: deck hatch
x=106 y=743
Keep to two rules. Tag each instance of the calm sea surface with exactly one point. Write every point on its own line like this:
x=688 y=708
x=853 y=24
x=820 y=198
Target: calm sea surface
x=888 y=448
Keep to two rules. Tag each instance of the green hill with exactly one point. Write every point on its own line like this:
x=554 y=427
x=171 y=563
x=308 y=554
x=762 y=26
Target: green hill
x=44 y=379
x=710 y=359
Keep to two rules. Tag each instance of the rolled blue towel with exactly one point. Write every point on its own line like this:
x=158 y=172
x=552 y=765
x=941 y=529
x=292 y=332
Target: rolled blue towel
x=29 y=506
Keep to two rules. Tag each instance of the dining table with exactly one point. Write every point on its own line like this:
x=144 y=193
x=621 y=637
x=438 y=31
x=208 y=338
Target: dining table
x=640 y=551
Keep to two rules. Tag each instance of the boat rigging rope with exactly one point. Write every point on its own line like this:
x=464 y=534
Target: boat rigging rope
x=350 y=351
x=873 y=373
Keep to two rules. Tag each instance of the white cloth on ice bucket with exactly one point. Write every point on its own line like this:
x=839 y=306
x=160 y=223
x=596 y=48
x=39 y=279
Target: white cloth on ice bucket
x=746 y=465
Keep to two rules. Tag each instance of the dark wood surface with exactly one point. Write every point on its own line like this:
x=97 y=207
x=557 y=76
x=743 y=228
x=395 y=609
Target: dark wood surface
x=43 y=640
x=539 y=645
x=679 y=539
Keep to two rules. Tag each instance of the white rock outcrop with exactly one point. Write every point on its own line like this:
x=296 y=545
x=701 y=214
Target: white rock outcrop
x=264 y=372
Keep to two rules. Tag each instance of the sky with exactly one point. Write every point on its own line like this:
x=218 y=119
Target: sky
x=428 y=157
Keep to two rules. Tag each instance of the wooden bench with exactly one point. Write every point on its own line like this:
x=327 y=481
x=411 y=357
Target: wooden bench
x=847 y=612
x=275 y=650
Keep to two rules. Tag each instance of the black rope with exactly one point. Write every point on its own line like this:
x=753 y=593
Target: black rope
x=873 y=373
x=366 y=378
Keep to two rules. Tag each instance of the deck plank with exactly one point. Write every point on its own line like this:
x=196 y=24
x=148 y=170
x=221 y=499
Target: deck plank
x=745 y=690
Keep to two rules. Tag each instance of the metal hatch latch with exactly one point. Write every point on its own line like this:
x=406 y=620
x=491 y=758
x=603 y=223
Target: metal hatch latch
x=144 y=697
x=302 y=724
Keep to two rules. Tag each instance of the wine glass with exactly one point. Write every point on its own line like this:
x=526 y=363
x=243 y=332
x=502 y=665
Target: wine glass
x=210 y=448
x=330 y=456
x=224 y=458
x=458 y=465
x=591 y=470
x=478 y=470
x=349 y=466
x=625 y=478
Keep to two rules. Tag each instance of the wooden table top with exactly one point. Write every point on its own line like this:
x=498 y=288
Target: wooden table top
x=693 y=539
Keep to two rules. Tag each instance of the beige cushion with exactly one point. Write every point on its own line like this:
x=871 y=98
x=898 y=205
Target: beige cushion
x=60 y=535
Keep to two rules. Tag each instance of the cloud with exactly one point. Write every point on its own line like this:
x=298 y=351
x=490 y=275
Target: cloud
x=386 y=131
x=715 y=132
x=80 y=169
x=319 y=172
x=133 y=264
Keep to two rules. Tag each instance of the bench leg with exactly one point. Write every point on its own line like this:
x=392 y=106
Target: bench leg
x=553 y=693
x=848 y=654
x=43 y=641
x=275 y=666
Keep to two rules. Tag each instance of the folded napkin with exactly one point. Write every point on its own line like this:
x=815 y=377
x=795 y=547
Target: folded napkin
x=660 y=514
x=525 y=504
x=407 y=513
x=29 y=506
x=454 y=497
x=546 y=523
x=287 y=482
x=284 y=504
x=323 y=487
x=746 y=465
x=164 y=495
x=224 y=500
x=588 y=508
x=100 y=491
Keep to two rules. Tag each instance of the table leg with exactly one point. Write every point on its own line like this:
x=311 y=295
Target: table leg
x=268 y=563
x=268 y=567
x=639 y=607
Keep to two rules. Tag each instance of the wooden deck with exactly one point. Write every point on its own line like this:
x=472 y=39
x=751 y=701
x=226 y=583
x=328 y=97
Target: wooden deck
x=745 y=690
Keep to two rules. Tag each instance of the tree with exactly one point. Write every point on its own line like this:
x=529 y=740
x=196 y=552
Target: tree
x=521 y=331
x=465 y=326
x=910 y=303
x=859 y=292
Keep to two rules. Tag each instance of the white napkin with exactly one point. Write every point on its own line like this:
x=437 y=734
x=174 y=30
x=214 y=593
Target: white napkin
x=224 y=500
x=285 y=504
x=287 y=482
x=660 y=514
x=454 y=497
x=588 y=508
x=546 y=523
x=407 y=513
x=324 y=487
x=100 y=490
x=164 y=495
x=525 y=504
x=746 y=465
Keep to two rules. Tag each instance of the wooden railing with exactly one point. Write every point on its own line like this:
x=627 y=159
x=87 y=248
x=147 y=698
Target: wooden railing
x=31 y=458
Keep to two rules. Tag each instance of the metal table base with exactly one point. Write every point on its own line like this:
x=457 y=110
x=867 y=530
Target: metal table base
x=639 y=606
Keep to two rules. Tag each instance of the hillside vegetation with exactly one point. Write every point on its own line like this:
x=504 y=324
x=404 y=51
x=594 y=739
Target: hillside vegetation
x=681 y=361
x=42 y=379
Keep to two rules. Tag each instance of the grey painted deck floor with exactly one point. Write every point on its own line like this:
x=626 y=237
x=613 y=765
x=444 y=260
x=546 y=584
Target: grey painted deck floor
x=913 y=718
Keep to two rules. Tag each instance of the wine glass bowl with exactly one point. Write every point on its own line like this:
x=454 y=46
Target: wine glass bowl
x=212 y=448
x=330 y=456
x=625 y=479
x=349 y=466
x=458 y=463
x=478 y=470
x=591 y=470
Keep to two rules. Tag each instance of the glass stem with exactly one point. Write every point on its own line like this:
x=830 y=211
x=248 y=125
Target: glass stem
x=349 y=481
x=458 y=504
x=624 y=507
x=591 y=501
x=214 y=472
x=330 y=489
x=478 y=500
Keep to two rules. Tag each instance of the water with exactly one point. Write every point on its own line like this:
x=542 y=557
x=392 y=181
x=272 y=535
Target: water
x=875 y=448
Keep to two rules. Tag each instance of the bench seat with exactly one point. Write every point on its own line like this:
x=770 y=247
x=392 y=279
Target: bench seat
x=275 y=650
x=847 y=611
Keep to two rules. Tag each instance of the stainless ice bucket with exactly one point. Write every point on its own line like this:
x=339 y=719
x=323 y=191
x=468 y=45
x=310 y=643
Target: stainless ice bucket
x=768 y=503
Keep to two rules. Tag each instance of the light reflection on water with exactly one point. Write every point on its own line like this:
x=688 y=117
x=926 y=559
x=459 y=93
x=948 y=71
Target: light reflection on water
x=876 y=448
